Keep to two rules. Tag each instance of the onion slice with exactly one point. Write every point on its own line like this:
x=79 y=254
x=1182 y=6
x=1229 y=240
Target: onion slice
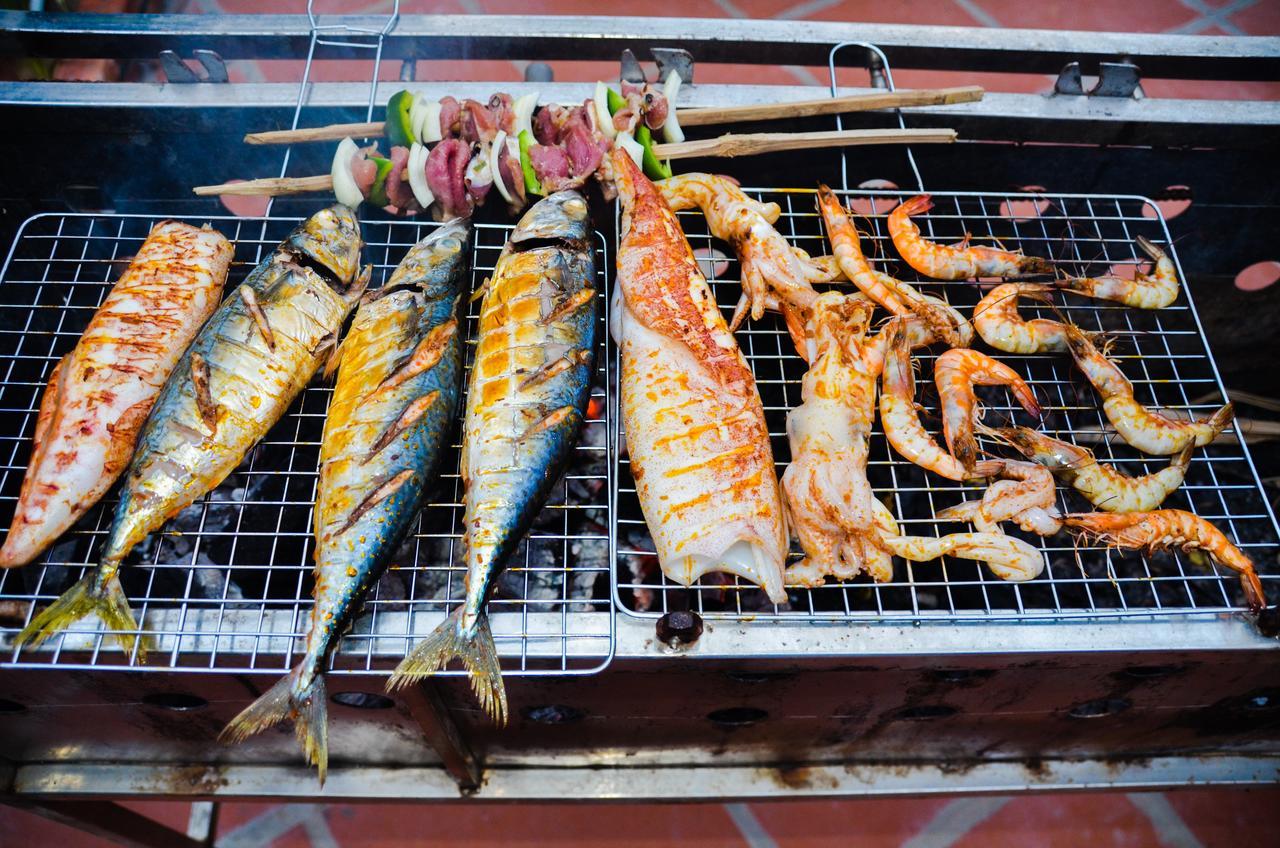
x=671 y=132
x=417 y=166
x=495 y=150
x=634 y=148
x=604 y=120
x=344 y=185
x=429 y=131
x=522 y=110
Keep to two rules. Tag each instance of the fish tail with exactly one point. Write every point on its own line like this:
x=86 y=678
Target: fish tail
x=285 y=700
x=476 y=651
x=88 y=597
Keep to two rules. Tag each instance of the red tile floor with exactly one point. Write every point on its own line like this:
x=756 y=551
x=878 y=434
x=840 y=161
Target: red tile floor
x=1240 y=818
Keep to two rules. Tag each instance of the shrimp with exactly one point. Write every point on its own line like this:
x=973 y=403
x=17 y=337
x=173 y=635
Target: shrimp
x=1171 y=528
x=894 y=295
x=960 y=262
x=1008 y=557
x=956 y=373
x=1145 y=291
x=768 y=261
x=917 y=332
x=1150 y=432
x=1106 y=487
x=1025 y=495
x=899 y=416
x=825 y=488
x=997 y=321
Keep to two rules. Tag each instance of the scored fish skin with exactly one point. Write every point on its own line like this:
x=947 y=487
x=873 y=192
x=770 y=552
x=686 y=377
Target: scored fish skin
x=526 y=402
x=396 y=395
x=99 y=394
x=695 y=430
x=244 y=369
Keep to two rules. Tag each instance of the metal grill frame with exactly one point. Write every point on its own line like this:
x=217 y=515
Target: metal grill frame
x=572 y=636
x=1204 y=590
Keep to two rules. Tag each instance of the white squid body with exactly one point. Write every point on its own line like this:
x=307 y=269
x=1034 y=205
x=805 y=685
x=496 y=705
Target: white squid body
x=695 y=427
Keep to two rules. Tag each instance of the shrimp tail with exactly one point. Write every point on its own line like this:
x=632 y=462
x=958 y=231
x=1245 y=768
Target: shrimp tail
x=305 y=705
x=477 y=652
x=85 y=598
x=1222 y=419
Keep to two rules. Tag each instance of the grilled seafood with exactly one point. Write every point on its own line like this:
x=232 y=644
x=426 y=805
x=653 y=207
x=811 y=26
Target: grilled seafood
x=997 y=321
x=399 y=378
x=246 y=365
x=1155 y=290
x=1025 y=495
x=1149 y=431
x=825 y=488
x=917 y=331
x=100 y=393
x=955 y=373
x=899 y=415
x=769 y=263
x=1171 y=528
x=1106 y=487
x=695 y=427
x=526 y=403
x=894 y=295
x=954 y=262
x=1008 y=557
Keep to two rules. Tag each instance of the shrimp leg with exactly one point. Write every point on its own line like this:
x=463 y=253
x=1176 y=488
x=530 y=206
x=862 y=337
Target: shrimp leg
x=959 y=262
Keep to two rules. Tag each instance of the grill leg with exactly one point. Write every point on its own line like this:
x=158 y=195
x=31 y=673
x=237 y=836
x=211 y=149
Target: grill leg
x=425 y=706
x=109 y=821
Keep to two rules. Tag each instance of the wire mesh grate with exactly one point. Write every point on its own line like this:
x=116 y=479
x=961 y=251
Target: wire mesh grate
x=227 y=583
x=1163 y=352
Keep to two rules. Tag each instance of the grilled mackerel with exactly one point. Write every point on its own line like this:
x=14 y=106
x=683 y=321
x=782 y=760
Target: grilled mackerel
x=526 y=401
x=238 y=377
x=399 y=378
x=100 y=393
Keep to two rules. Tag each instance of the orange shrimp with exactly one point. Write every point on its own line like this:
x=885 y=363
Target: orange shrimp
x=894 y=295
x=956 y=373
x=960 y=262
x=1148 y=431
x=997 y=321
x=1171 y=528
x=1145 y=291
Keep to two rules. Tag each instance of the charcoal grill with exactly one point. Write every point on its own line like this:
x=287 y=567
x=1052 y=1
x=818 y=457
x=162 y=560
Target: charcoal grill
x=1110 y=670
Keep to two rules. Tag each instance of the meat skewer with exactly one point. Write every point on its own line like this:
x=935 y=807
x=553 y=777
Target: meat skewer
x=687 y=117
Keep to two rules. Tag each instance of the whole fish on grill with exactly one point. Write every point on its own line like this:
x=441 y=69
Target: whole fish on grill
x=247 y=364
x=526 y=402
x=695 y=429
x=100 y=393
x=399 y=379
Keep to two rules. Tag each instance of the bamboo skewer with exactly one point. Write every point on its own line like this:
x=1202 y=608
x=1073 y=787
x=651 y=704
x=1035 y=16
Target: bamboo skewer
x=751 y=144
x=830 y=105
x=728 y=145
x=688 y=117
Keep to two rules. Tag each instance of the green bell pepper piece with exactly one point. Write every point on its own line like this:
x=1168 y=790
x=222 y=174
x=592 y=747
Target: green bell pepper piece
x=531 y=183
x=399 y=128
x=378 y=191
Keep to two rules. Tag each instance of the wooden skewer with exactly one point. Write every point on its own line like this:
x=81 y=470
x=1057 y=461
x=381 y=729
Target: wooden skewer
x=728 y=145
x=751 y=144
x=830 y=105
x=688 y=117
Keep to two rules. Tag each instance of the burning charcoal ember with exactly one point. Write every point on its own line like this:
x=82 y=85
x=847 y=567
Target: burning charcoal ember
x=537 y=573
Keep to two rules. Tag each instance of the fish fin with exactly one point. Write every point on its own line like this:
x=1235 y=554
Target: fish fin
x=259 y=317
x=83 y=599
x=377 y=496
x=477 y=652
x=334 y=357
x=307 y=710
x=205 y=404
x=358 y=287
